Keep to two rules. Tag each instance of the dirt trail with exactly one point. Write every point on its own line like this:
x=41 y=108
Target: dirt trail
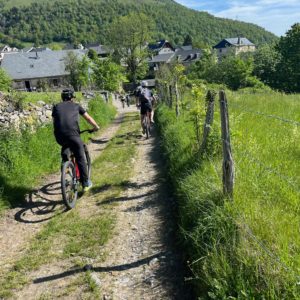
x=19 y=225
x=142 y=261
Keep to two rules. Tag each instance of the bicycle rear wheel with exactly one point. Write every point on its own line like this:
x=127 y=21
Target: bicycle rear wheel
x=69 y=184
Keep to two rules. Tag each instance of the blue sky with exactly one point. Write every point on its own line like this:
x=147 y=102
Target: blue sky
x=276 y=16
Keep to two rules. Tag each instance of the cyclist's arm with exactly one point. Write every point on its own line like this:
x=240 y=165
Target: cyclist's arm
x=91 y=121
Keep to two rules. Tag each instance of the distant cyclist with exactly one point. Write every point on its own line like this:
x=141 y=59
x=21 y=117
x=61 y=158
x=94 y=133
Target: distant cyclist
x=128 y=100
x=67 y=133
x=144 y=100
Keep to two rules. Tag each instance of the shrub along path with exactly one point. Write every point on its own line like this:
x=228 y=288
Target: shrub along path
x=118 y=243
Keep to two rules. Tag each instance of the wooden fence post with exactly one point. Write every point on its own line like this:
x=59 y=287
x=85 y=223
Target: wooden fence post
x=228 y=164
x=210 y=97
x=177 y=99
x=170 y=96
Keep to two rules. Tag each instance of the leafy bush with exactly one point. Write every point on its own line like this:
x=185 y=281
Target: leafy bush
x=5 y=81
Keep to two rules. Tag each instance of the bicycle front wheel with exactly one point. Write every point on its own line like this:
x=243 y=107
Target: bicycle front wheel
x=69 y=184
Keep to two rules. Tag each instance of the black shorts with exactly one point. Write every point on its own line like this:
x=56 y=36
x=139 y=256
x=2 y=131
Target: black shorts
x=145 y=108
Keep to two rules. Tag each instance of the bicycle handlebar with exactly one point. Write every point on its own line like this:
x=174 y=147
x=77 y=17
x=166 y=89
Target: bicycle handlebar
x=87 y=130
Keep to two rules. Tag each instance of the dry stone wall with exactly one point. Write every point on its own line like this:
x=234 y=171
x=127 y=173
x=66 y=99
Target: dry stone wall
x=32 y=116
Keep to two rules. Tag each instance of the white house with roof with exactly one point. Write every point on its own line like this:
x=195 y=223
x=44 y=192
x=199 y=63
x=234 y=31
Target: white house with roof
x=28 y=70
x=235 y=45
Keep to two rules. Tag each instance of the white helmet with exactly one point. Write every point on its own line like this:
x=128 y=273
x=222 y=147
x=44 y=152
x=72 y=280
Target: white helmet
x=144 y=83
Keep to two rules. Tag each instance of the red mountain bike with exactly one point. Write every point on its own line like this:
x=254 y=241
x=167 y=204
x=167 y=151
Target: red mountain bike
x=70 y=176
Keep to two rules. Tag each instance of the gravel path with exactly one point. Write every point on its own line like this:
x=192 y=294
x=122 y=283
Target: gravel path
x=143 y=262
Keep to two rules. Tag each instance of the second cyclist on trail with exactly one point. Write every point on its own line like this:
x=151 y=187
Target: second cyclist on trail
x=145 y=101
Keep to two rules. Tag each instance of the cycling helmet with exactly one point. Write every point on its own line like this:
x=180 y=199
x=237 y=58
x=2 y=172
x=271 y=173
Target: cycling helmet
x=144 y=83
x=67 y=95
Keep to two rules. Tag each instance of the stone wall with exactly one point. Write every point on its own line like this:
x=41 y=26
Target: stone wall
x=32 y=116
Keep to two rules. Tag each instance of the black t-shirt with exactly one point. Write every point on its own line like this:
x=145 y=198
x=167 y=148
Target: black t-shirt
x=66 y=118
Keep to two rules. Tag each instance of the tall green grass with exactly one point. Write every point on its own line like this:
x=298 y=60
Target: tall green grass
x=25 y=156
x=247 y=248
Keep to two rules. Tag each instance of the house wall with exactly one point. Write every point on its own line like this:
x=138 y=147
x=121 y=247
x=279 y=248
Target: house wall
x=53 y=83
x=244 y=49
x=237 y=50
x=165 y=50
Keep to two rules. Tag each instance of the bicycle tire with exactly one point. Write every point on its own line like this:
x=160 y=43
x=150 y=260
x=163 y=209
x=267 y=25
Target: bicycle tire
x=69 y=184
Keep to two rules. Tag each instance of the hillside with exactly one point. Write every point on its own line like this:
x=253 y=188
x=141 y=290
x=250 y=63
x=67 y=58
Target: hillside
x=42 y=21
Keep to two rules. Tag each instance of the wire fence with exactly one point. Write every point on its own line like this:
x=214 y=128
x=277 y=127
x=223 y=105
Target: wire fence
x=258 y=113
x=246 y=154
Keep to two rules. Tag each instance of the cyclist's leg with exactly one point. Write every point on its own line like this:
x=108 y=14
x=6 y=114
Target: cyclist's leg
x=143 y=114
x=77 y=148
x=65 y=152
x=149 y=114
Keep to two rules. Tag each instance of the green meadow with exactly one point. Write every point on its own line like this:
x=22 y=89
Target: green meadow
x=248 y=247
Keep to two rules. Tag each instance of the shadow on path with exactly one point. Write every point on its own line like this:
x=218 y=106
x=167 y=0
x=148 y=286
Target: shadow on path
x=120 y=268
x=122 y=199
x=42 y=205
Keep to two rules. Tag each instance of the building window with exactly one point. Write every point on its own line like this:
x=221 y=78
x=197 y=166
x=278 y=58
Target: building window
x=55 y=82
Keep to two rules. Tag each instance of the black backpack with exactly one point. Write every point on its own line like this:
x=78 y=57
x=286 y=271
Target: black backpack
x=145 y=95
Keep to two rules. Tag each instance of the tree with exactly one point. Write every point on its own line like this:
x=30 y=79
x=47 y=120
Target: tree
x=128 y=36
x=289 y=64
x=188 y=40
x=266 y=60
x=107 y=75
x=204 y=68
x=78 y=70
x=5 y=81
x=92 y=54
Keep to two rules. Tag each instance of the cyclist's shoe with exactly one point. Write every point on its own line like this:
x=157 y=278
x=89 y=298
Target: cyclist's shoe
x=87 y=186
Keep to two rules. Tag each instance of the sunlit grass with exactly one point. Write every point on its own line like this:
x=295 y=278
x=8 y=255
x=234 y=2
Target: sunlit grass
x=247 y=248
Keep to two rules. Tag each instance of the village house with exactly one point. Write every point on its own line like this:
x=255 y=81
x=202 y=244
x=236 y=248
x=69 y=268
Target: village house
x=235 y=45
x=164 y=53
x=30 y=70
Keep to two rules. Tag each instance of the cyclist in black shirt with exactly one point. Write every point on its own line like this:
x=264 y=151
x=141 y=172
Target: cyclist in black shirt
x=67 y=133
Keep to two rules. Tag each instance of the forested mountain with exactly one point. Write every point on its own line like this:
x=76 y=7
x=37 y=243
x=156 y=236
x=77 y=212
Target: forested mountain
x=43 y=21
